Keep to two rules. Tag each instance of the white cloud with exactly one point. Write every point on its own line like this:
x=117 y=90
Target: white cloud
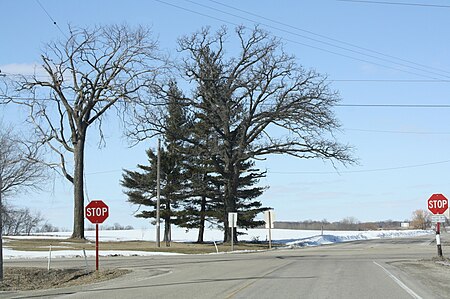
x=22 y=69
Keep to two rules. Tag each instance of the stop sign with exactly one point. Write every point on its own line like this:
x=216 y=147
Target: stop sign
x=96 y=211
x=437 y=204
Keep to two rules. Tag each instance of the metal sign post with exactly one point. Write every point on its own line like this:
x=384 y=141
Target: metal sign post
x=232 y=222
x=438 y=239
x=269 y=216
x=438 y=205
x=96 y=212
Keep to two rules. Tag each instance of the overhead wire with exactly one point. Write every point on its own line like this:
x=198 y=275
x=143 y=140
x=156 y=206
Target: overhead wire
x=328 y=38
x=328 y=79
x=396 y=3
x=326 y=43
x=315 y=172
x=395 y=105
x=434 y=106
x=363 y=170
x=300 y=29
x=389 y=80
x=51 y=18
x=397 y=132
x=337 y=80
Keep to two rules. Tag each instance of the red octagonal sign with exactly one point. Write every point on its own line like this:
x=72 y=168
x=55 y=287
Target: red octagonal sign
x=437 y=204
x=96 y=211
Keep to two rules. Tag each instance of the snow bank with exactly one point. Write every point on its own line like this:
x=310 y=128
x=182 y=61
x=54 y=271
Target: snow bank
x=340 y=237
x=291 y=238
x=16 y=254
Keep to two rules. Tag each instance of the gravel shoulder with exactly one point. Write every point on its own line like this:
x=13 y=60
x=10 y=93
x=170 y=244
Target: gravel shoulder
x=432 y=274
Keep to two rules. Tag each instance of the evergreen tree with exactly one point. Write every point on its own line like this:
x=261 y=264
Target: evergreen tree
x=142 y=186
x=141 y=189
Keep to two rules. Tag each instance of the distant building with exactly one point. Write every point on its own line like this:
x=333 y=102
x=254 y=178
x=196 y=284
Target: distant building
x=404 y=225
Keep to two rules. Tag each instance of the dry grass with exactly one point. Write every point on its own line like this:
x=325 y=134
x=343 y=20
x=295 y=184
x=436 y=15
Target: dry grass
x=25 y=279
x=71 y=244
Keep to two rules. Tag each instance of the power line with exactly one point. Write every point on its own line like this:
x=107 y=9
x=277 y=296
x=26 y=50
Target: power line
x=337 y=105
x=330 y=44
x=51 y=18
x=330 y=80
x=109 y=171
x=361 y=171
x=395 y=105
x=196 y=12
x=327 y=37
x=397 y=132
x=389 y=80
x=315 y=172
x=397 y=3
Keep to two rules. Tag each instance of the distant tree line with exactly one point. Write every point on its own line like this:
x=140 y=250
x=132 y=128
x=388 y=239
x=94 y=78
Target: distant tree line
x=115 y=226
x=348 y=223
x=22 y=221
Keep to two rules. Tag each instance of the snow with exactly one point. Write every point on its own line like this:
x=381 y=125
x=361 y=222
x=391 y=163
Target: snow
x=291 y=238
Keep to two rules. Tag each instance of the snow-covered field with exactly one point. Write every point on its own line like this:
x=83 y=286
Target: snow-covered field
x=291 y=238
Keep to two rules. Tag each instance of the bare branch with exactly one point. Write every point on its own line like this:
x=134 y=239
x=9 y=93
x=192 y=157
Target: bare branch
x=21 y=166
x=90 y=73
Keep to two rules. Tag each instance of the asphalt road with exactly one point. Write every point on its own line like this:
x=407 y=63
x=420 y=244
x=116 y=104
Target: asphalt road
x=349 y=270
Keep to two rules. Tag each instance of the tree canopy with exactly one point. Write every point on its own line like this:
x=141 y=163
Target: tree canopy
x=238 y=99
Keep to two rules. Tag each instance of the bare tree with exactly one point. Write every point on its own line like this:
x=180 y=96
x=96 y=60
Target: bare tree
x=245 y=97
x=21 y=166
x=87 y=75
x=421 y=219
x=20 y=221
x=20 y=169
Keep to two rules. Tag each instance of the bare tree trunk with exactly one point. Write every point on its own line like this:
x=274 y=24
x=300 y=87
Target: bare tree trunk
x=231 y=184
x=1 y=229
x=78 y=209
x=167 y=237
x=231 y=187
x=201 y=228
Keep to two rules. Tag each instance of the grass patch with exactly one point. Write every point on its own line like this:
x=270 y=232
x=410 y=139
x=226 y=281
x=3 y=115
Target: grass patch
x=25 y=279
x=175 y=247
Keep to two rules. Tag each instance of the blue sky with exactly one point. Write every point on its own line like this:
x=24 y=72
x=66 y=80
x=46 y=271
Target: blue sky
x=403 y=152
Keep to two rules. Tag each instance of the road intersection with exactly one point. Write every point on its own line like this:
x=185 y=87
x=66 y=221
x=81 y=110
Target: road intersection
x=386 y=268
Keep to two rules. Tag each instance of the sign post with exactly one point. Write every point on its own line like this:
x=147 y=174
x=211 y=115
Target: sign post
x=269 y=216
x=438 y=205
x=96 y=212
x=232 y=222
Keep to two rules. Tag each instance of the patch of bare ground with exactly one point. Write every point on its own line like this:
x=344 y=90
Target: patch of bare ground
x=433 y=273
x=26 y=279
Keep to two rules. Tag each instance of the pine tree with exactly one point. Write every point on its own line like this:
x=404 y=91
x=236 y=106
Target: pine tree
x=142 y=186
x=142 y=189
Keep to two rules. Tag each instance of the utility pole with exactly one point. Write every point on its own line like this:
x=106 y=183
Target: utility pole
x=158 y=195
x=1 y=218
x=1 y=228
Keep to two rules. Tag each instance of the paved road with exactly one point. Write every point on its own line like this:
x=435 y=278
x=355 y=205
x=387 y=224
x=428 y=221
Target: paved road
x=350 y=270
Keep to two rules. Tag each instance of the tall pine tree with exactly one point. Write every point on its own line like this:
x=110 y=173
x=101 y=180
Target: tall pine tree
x=142 y=186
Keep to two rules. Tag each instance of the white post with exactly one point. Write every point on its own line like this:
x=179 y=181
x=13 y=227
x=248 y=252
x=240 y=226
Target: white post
x=232 y=232
x=158 y=194
x=1 y=228
x=270 y=229
x=85 y=260
x=269 y=217
x=49 y=258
